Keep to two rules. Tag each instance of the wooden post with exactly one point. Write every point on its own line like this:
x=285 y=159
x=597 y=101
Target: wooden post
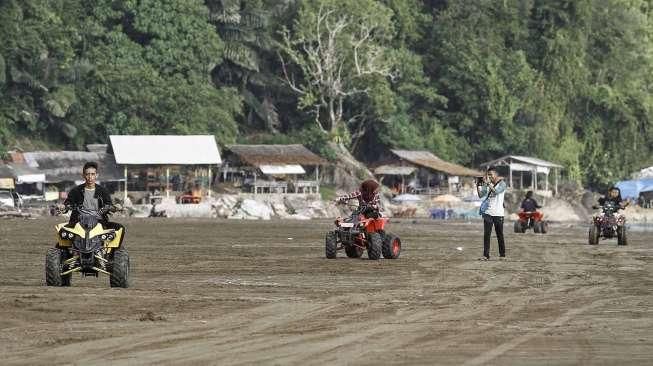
x=510 y=174
x=556 y=184
x=534 y=180
x=546 y=182
x=209 y=191
x=167 y=181
x=317 y=178
x=125 y=199
x=521 y=180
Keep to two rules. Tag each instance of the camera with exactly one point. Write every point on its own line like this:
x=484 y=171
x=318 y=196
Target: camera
x=479 y=180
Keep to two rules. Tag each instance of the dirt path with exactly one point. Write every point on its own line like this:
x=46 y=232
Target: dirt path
x=235 y=293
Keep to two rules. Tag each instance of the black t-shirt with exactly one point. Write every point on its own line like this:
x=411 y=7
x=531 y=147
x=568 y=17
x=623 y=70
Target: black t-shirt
x=529 y=205
x=617 y=201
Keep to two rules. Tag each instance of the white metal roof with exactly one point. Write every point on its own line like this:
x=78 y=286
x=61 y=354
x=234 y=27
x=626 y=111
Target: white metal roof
x=282 y=169
x=523 y=159
x=165 y=149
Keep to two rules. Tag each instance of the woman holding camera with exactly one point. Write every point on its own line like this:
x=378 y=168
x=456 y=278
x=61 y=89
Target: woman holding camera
x=492 y=189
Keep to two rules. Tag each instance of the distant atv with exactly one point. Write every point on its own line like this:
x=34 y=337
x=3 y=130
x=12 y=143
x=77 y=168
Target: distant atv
x=358 y=233
x=534 y=220
x=87 y=248
x=608 y=225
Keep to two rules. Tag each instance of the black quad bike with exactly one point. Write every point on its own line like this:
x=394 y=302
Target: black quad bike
x=608 y=225
x=363 y=230
x=88 y=248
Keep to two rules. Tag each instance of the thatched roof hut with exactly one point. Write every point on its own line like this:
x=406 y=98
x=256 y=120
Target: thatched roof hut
x=257 y=155
x=427 y=160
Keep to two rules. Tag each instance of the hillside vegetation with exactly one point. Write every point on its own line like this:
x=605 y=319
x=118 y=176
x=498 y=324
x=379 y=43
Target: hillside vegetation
x=470 y=80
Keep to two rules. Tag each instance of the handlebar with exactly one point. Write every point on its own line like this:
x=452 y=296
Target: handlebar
x=80 y=208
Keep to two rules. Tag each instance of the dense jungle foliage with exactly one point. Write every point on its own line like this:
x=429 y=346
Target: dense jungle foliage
x=470 y=80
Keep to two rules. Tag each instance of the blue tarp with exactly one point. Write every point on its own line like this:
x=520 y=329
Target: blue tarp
x=646 y=189
x=632 y=188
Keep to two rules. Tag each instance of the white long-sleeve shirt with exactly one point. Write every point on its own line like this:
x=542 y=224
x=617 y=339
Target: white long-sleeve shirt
x=494 y=198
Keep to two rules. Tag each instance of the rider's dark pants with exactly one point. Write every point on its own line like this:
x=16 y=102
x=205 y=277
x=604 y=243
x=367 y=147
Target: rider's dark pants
x=497 y=222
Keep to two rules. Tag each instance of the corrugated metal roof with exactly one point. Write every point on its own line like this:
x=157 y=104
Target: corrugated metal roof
x=165 y=149
x=256 y=155
x=394 y=170
x=428 y=160
x=524 y=159
x=66 y=166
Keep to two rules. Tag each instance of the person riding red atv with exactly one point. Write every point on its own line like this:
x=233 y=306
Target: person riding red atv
x=530 y=217
x=364 y=229
x=529 y=220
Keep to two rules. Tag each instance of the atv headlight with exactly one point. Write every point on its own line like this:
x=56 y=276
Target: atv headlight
x=63 y=235
x=104 y=236
x=70 y=235
x=111 y=236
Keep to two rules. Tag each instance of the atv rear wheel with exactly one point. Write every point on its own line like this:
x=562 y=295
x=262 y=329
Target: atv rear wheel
x=354 y=251
x=53 y=268
x=120 y=269
x=536 y=227
x=621 y=236
x=331 y=245
x=594 y=235
x=544 y=227
x=391 y=246
x=374 y=246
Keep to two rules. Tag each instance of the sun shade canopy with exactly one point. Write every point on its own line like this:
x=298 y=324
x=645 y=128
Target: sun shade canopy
x=282 y=169
x=165 y=150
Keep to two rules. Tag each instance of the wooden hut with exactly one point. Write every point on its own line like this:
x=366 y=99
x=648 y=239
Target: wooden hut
x=271 y=168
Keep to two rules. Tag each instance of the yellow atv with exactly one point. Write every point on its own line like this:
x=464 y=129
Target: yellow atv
x=87 y=248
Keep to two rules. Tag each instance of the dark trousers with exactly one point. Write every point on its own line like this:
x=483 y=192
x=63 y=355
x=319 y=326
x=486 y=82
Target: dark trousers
x=488 y=222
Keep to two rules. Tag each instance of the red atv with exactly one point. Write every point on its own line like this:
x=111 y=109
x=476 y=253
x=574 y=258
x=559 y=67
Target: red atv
x=534 y=220
x=363 y=230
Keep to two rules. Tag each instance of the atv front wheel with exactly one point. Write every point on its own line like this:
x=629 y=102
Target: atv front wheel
x=374 y=246
x=53 y=268
x=354 y=251
x=120 y=269
x=391 y=246
x=621 y=236
x=517 y=227
x=331 y=245
x=594 y=235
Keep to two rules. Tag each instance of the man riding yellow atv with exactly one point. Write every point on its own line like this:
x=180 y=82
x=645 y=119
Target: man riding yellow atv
x=87 y=247
x=88 y=243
